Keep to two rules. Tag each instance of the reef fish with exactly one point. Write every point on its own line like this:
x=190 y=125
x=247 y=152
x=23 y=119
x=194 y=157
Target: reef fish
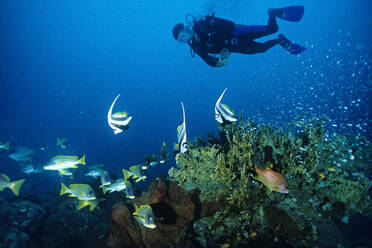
x=29 y=168
x=164 y=156
x=83 y=203
x=181 y=134
x=150 y=160
x=44 y=146
x=136 y=173
x=222 y=112
x=129 y=189
x=118 y=121
x=95 y=173
x=118 y=185
x=22 y=154
x=4 y=145
x=64 y=172
x=154 y=163
x=80 y=191
x=144 y=166
x=61 y=142
x=13 y=186
x=145 y=216
x=61 y=162
x=274 y=181
x=105 y=179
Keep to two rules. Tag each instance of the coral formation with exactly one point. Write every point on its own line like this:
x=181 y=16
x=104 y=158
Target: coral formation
x=200 y=164
x=214 y=199
x=325 y=174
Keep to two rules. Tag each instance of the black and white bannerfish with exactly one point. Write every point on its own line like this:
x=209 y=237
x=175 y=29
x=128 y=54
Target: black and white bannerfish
x=118 y=121
x=223 y=113
x=181 y=134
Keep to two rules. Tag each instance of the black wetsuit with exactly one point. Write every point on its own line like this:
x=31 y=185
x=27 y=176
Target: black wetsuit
x=215 y=34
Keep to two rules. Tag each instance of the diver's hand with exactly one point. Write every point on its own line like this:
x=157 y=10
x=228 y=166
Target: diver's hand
x=224 y=57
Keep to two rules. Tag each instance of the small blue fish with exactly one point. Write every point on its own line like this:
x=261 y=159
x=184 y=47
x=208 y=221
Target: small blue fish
x=4 y=145
x=22 y=154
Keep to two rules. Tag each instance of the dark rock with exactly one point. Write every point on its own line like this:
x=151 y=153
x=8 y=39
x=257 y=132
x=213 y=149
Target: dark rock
x=280 y=222
x=24 y=215
x=330 y=236
x=69 y=227
x=174 y=207
x=124 y=231
x=14 y=238
x=358 y=230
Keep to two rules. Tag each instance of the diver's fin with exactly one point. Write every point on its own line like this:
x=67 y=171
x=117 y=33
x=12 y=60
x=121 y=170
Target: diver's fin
x=291 y=47
x=291 y=13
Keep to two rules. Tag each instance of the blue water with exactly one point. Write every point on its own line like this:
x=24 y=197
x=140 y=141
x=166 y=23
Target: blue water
x=62 y=63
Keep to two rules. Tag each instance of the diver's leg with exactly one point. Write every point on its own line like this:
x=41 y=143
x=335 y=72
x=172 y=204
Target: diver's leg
x=254 y=47
x=256 y=31
x=271 y=28
x=263 y=47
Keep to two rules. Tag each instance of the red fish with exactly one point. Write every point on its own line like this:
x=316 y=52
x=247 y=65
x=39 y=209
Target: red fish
x=274 y=181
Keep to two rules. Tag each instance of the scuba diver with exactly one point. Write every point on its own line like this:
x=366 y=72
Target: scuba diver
x=210 y=36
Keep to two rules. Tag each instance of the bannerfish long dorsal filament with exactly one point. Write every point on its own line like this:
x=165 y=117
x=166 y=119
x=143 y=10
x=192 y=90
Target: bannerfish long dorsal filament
x=223 y=113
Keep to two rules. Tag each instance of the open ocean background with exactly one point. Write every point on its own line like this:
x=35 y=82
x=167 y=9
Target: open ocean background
x=62 y=63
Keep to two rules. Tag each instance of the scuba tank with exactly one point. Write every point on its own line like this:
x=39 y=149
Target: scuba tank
x=214 y=33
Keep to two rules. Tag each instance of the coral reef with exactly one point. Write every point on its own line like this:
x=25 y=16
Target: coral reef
x=325 y=174
x=200 y=164
x=213 y=198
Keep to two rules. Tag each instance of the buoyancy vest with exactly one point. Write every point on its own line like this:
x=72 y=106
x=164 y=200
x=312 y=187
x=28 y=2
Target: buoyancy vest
x=214 y=34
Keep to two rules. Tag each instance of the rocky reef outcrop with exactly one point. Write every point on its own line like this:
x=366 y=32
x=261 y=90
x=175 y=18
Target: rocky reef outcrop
x=20 y=221
x=175 y=209
x=50 y=223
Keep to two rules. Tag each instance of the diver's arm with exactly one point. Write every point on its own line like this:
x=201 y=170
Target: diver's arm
x=210 y=60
